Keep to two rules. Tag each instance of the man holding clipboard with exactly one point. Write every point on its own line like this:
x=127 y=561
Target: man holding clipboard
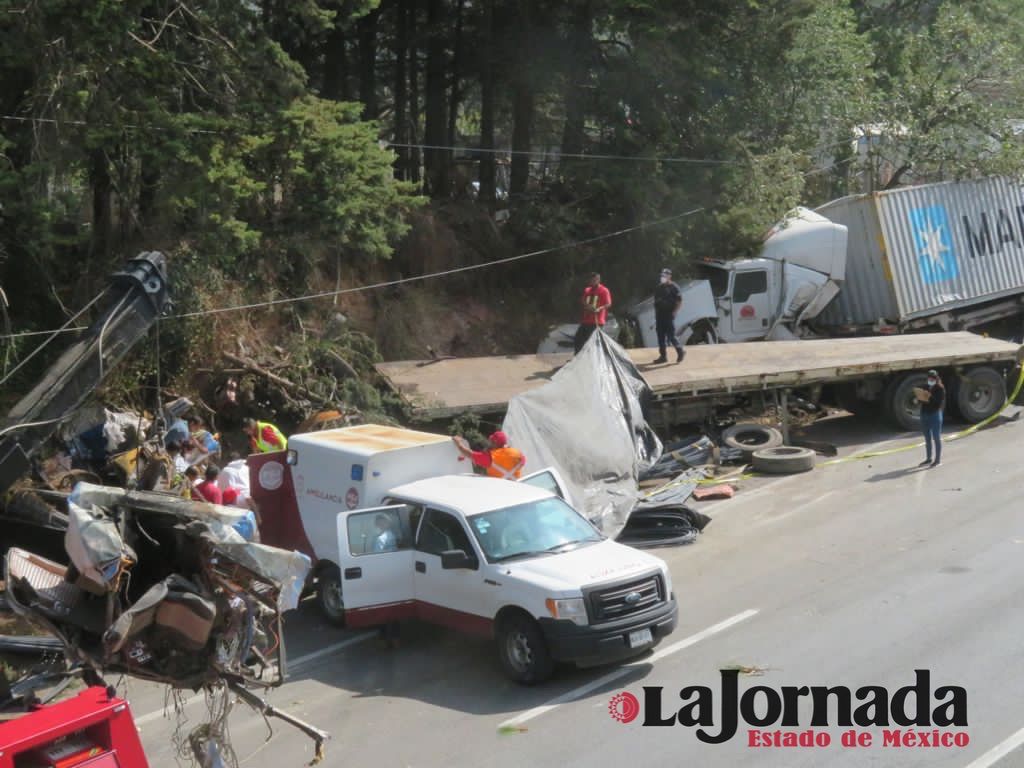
x=933 y=399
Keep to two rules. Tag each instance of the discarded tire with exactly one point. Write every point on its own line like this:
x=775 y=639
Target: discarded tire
x=748 y=437
x=979 y=393
x=783 y=460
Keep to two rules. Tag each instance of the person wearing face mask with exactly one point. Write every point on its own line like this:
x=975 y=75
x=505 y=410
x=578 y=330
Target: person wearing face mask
x=932 y=402
x=667 y=300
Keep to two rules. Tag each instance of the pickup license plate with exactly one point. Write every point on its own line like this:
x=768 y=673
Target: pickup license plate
x=640 y=637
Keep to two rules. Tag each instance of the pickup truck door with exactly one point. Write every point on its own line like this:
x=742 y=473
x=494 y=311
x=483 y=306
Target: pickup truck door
x=752 y=306
x=455 y=597
x=549 y=480
x=376 y=555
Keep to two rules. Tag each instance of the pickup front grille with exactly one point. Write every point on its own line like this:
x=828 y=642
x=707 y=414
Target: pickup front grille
x=621 y=600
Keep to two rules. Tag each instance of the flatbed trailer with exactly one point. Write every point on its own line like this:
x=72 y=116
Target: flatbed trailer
x=860 y=370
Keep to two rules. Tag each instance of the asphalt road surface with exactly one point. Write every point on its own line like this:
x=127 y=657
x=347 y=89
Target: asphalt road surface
x=852 y=575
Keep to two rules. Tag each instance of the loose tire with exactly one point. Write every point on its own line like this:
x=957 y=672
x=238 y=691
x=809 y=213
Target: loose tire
x=522 y=650
x=748 y=437
x=329 y=596
x=784 y=460
x=980 y=393
x=901 y=405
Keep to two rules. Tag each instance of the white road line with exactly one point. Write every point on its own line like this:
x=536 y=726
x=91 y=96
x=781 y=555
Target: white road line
x=615 y=674
x=999 y=751
x=292 y=665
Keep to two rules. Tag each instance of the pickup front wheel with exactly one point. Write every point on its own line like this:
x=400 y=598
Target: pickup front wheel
x=328 y=595
x=522 y=650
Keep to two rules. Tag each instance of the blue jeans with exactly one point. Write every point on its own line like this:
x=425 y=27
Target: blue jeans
x=931 y=425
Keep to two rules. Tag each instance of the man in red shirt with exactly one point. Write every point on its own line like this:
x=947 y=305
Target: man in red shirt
x=208 y=489
x=596 y=301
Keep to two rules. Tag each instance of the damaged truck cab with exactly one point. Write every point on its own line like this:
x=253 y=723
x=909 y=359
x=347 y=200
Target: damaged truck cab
x=397 y=533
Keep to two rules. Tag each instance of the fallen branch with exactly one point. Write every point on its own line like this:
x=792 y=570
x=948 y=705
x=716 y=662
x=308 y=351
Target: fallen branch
x=343 y=364
x=289 y=386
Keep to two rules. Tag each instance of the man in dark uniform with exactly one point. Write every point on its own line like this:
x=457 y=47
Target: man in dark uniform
x=667 y=301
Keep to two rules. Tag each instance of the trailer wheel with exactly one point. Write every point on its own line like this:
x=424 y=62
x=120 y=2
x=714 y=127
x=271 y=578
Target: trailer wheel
x=523 y=651
x=901 y=405
x=784 y=460
x=750 y=437
x=329 y=596
x=979 y=393
x=702 y=332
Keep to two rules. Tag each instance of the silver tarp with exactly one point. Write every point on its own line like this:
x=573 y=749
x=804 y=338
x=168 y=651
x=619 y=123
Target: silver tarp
x=588 y=424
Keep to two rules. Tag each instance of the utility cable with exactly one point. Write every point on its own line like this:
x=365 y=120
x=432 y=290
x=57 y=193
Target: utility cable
x=53 y=334
x=417 y=278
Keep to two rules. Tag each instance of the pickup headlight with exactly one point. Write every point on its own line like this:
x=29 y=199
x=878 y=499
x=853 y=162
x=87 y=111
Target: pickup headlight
x=571 y=608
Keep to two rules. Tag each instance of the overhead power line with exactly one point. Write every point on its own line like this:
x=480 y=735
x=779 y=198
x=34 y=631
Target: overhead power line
x=556 y=155
x=397 y=281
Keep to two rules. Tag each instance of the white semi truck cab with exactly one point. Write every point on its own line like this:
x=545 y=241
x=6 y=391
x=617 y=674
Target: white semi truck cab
x=800 y=269
x=398 y=531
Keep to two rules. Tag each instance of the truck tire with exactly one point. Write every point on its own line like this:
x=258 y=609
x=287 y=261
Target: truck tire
x=523 y=651
x=901 y=406
x=703 y=332
x=978 y=394
x=329 y=596
x=784 y=460
x=750 y=437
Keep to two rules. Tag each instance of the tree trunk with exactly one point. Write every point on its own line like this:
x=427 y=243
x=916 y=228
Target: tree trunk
x=580 y=47
x=99 y=180
x=435 y=160
x=336 y=66
x=487 y=191
x=415 y=156
x=149 y=181
x=401 y=48
x=367 y=27
x=453 y=105
x=522 y=103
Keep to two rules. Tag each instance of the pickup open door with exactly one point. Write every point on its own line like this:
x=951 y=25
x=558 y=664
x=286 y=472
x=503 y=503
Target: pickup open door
x=375 y=549
x=549 y=480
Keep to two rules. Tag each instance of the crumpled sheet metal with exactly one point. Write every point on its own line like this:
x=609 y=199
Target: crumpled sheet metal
x=95 y=546
x=675 y=491
x=287 y=569
x=588 y=424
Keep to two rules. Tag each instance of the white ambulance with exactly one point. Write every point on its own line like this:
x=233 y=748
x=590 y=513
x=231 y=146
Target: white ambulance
x=397 y=530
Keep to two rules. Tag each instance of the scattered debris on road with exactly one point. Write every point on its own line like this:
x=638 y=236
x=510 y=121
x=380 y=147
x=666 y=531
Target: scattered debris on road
x=721 y=491
x=167 y=590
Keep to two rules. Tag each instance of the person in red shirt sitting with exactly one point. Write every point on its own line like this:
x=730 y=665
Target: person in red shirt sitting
x=596 y=301
x=208 y=489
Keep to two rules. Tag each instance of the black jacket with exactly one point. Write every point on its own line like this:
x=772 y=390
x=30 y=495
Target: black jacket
x=937 y=401
x=666 y=298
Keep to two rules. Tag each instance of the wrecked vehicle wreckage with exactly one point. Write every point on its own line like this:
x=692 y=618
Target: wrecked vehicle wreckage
x=166 y=590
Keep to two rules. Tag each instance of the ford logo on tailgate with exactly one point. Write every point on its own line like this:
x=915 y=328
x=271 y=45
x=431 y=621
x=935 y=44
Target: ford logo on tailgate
x=632 y=598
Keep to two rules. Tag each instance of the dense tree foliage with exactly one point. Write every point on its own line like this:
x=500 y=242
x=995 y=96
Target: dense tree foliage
x=299 y=134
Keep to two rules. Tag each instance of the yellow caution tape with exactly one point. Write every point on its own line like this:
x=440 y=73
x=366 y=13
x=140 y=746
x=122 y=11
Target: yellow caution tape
x=874 y=454
x=956 y=436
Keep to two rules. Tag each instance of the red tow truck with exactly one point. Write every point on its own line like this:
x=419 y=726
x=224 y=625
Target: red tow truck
x=92 y=730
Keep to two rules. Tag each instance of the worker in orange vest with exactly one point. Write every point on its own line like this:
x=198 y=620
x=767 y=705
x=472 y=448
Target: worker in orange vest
x=499 y=459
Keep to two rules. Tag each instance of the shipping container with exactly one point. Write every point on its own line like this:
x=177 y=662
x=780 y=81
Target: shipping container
x=921 y=251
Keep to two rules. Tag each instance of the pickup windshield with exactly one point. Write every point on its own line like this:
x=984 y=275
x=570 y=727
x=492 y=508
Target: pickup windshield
x=543 y=527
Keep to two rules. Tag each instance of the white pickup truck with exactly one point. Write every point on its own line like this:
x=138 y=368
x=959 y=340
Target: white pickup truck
x=509 y=560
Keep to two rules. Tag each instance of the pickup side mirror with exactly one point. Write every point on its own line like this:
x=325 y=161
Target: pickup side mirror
x=456 y=559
